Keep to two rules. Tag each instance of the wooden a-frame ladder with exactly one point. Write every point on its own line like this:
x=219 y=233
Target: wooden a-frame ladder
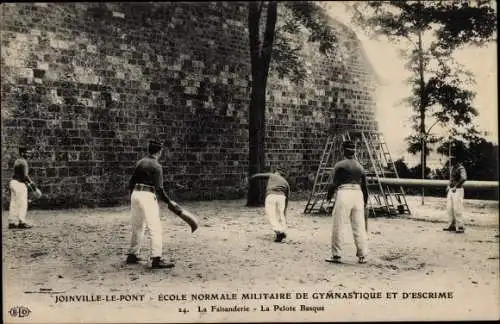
x=373 y=154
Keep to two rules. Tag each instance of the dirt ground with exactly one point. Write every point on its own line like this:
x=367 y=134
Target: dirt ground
x=82 y=252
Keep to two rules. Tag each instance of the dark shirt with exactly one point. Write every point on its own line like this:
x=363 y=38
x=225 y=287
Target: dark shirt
x=147 y=171
x=21 y=174
x=348 y=171
x=277 y=185
x=458 y=176
x=21 y=170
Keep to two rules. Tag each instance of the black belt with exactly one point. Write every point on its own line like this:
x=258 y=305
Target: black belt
x=143 y=187
x=350 y=186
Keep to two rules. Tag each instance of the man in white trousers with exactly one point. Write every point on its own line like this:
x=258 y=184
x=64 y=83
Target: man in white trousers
x=455 y=199
x=146 y=187
x=277 y=194
x=19 y=186
x=349 y=186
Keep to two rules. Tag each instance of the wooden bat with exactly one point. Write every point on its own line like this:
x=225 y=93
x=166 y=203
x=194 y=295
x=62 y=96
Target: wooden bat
x=185 y=215
x=33 y=191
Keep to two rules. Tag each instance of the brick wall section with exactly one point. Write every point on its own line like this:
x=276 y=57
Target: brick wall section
x=87 y=84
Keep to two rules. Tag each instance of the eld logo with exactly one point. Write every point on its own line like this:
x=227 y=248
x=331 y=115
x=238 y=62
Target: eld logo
x=19 y=311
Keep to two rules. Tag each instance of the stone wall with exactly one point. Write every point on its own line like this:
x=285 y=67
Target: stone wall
x=86 y=85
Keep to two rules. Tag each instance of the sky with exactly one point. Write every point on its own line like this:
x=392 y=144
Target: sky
x=393 y=117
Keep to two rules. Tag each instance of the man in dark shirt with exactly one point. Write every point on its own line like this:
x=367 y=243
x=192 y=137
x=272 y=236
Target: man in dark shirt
x=349 y=186
x=277 y=194
x=146 y=187
x=20 y=186
x=455 y=198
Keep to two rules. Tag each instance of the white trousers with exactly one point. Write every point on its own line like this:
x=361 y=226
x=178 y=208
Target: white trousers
x=349 y=208
x=275 y=212
x=18 y=202
x=145 y=211
x=455 y=207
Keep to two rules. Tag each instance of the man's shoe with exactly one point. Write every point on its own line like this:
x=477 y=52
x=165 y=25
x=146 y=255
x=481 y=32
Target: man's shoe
x=280 y=236
x=460 y=230
x=133 y=259
x=334 y=259
x=361 y=260
x=158 y=263
x=12 y=225
x=24 y=226
x=450 y=229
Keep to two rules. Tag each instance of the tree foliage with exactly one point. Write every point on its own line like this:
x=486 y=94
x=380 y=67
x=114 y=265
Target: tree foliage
x=287 y=58
x=434 y=30
x=479 y=157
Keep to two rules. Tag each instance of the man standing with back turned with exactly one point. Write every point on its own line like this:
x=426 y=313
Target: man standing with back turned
x=146 y=187
x=20 y=187
x=455 y=198
x=276 y=203
x=349 y=183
